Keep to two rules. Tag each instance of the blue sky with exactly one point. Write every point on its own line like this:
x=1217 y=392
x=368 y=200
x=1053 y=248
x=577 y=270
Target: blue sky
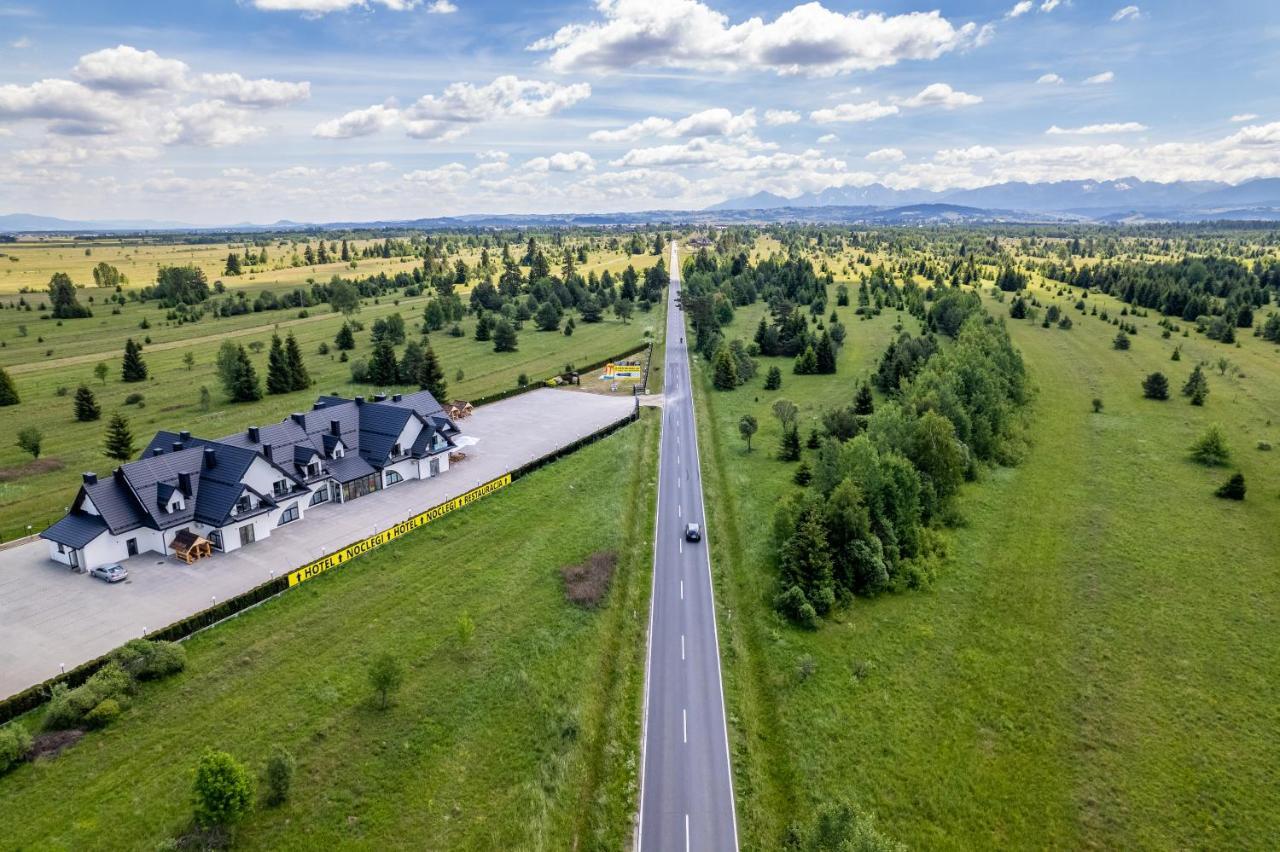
x=218 y=111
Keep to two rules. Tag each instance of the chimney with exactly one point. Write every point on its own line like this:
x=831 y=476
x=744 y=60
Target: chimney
x=90 y=478
x=266 y=451
x=253 y=434
x=184 y=436
x=177 y=445
x=184 y=484
x=335 y=428
x=318 y=404
x=210 y=458
x=299 y=418
x=157 y=451
x=379 y=397
x=395 y=397
x=359 y=400
x=118 y=475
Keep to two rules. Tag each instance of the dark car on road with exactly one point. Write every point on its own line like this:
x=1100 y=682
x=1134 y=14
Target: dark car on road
x=692 y=532
x=110 y=573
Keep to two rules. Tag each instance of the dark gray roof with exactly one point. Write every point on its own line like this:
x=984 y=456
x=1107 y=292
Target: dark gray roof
x=349 y=468
x=75 y=530
x=115 y=502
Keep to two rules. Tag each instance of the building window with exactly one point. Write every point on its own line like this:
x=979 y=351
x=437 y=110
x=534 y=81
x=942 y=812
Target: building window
x=395 y=451
x=215 y=537
x=313 y=469
x=393 y=477
x=435 y=467
x=289 y=515
x=247 y=535
x=280 y=487
x=243 y=505
x=131 y=545
x=321 y=495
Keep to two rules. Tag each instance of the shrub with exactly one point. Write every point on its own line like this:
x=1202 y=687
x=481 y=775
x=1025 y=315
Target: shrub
x=1211 y=448
x=15 y=745
x=794 y=605
x=1097 y=405
x=134 y=399
x=106 y=712
x=1155 y=386
x=1121 y=341
x=147 y=660
x=1264 y=445
x=279 y=778
x=1233 y=488
x=222 y=790
x=69 y=707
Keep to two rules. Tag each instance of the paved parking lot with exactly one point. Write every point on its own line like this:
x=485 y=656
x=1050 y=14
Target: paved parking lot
x=51 y=616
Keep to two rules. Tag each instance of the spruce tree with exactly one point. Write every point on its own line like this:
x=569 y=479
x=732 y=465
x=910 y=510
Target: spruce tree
x=133 y=369
x=431 y=377
x=864 y=404
x=87 y=408
x=299 y=378
x=8 y=390
x=233 y=264
x=726 y=371
x=244 y=380
x=790 y=448
x=411 y=363
x=278 y=379
x=1155 y=386
x=504 y=337
x=1197 y=386
x=345 y=340
x=1233 y=488
x=119 y=443
x=806 y=362
x=383 y=367
x=773 y=379
x=826 y=355
x=484 y=328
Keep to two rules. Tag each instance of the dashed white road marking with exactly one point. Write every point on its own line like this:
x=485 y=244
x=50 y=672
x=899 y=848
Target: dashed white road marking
x=684 y=724
x=682 y=646
x=682 y=590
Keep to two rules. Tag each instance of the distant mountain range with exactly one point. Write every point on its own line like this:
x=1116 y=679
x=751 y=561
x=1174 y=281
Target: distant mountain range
x=1123 y=201
x=1111 y=200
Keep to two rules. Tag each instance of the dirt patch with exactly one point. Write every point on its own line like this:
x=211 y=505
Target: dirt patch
x=31 y=468
x=586 y=584
x=51 y=744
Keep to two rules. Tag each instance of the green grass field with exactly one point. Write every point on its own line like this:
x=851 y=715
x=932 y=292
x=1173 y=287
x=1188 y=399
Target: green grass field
x=1095 y=666
x=526 y=738
x=37 y=495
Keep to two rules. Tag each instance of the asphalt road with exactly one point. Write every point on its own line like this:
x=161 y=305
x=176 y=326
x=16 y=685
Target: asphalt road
x=686 y=791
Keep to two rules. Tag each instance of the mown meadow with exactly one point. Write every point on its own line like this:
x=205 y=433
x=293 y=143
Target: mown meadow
x=1094 y=665
x=521 y=732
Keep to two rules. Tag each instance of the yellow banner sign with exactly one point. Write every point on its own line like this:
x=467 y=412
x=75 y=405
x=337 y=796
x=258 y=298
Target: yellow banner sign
x=351 y=551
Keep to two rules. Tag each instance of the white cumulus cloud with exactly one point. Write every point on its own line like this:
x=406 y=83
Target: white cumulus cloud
x=324 y=7
x=441 y=7
x=1099 y=79
x=717 y=121
x=869 y=111
x=886 y=155
x=210 y=124
x=255 y=93
x=1097 y=129
x=570 y=161
x=778 y=117
x=941 y=95
x=1019 y=9
x=1049 y=80
x=126 y=69
x=806 y=39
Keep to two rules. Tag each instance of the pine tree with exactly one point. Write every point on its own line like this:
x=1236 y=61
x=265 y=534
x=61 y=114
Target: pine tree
x=346 y=252
x=431 y=376
x=411 y=363
x=233 y=264
x=134 y=369
x=1233 y=488
x=773 y=379
x=806 y=563
x=1197 y=386
x=278 y=380
x=299 y=378
x=383 y=368
x=244 y=379
x=87 y=408
x=726 y=371
x=484 y=328
x=504 y=337
x=119 y=443
x=8 y=391
x=864 y=403
x=1121 y=340
x=346 y=340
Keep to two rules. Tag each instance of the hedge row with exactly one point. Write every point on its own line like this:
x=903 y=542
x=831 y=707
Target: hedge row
x=32 y=697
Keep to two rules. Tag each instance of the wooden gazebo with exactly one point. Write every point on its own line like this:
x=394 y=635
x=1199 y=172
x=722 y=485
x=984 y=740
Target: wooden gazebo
x=189 y=547
x=458 y=409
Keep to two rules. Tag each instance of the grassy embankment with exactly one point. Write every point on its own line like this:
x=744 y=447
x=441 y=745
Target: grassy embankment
x=525 y=738
x=36 y=494
x=1095 y=666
